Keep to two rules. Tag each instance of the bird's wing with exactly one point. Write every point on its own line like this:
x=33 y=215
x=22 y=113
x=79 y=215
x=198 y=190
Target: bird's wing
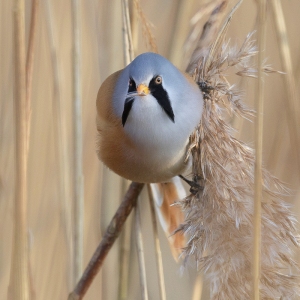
x=170 y=217
x=104 y=100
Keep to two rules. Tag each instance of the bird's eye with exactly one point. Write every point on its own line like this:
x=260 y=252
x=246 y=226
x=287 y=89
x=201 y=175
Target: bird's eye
x=158 y=80
x=131 y=86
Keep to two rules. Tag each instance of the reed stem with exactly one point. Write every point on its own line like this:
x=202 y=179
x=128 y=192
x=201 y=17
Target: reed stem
x=140 y=253
x=19 y=286
x=29 y=61
x=258 y=151
x=159 y=264
x=61 y=151
x=128 y=53
x=293 y=108
x=127 y=38
x=78 y=183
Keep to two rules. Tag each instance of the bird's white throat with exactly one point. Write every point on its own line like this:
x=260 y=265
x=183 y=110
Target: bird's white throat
x=153 y=133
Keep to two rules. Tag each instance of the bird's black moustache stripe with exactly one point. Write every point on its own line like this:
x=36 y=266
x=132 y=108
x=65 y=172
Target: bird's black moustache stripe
x=127 y=107
x=157 y=91
x=162 y=97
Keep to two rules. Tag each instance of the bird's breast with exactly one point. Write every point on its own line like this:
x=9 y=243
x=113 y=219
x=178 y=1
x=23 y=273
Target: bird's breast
x=149 y=154
x=153 y=133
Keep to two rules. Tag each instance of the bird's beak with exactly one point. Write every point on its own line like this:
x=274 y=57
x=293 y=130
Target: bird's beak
x=142 y=90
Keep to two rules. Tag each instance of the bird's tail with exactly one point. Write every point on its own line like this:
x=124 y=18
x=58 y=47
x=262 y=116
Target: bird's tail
x=170 y=216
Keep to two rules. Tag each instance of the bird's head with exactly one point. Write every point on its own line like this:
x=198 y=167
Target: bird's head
x=156 y=103
x=150 y=83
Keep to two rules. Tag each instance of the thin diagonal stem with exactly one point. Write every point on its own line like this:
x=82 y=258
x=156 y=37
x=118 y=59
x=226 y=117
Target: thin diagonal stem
x=111 y=234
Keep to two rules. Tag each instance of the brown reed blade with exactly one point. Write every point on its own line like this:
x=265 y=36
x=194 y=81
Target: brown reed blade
x=111 y=234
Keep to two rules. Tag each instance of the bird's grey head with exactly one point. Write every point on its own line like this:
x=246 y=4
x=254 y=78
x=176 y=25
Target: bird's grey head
x=151 y=76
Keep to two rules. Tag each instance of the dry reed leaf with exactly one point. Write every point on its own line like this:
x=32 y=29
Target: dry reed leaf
x=146 y=27
x=219 y=218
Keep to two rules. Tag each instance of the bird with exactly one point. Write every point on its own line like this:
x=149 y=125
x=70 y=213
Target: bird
x=146 y=113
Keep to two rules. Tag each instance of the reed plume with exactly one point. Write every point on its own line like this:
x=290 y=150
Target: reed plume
x=219 y=217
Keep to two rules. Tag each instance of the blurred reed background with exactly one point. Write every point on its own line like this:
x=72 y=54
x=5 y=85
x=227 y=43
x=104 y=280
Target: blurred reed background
x=51 y=139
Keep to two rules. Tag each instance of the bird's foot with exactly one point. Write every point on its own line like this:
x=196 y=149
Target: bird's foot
x=194 y=185
x=205 y=88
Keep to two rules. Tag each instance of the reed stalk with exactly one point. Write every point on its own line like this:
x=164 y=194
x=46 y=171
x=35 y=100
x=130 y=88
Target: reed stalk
x=19 y=286
x=179 y=31
x=128 y=53
x=258 y=151
x=125 y=260
x=159 y=263
x=125 y=253
x=60 y=138
x=78 y=183
x=134 y=24
x=29 y=61
x=140 y=253
x=292 y=112
x=127 y=38
x=198 y=288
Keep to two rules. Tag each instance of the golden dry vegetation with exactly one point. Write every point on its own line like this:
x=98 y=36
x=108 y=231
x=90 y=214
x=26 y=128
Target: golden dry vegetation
x=51 y=151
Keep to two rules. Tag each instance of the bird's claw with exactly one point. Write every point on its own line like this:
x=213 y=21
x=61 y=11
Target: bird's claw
x=195 y=187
